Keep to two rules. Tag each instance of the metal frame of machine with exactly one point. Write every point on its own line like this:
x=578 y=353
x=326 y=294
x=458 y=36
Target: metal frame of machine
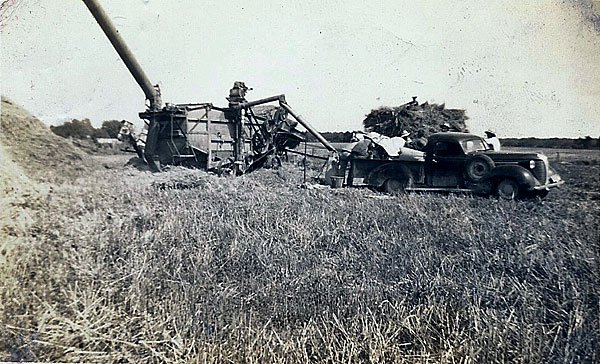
x=205 y=136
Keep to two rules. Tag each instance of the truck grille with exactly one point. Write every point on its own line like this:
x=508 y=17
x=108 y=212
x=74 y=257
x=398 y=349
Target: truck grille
x=540 y=171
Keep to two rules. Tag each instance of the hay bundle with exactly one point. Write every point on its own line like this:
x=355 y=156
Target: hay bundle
x=420 y=120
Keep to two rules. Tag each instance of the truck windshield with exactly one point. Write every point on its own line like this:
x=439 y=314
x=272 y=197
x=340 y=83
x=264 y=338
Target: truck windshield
x=473 y=145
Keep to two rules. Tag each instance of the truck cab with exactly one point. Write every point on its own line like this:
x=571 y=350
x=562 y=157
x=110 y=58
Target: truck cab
x=459 y=162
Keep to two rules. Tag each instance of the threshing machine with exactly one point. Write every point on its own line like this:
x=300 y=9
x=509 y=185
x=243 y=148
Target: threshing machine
x=205 y=136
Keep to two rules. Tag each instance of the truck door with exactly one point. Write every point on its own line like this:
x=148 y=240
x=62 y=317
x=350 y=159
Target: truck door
x=444 y=165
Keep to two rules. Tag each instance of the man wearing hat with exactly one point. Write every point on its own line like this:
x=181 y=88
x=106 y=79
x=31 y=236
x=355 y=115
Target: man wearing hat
x=492 y=140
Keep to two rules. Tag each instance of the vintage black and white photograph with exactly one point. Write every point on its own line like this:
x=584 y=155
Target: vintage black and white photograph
x=281 y=181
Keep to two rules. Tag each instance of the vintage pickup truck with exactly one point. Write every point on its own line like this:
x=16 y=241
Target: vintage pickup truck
x=458 y=162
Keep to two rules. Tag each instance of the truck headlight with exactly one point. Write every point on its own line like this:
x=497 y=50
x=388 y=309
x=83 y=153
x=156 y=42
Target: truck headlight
x=531 y=164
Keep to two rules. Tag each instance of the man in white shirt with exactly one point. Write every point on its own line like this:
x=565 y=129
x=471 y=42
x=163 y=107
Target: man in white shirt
x=492 y=140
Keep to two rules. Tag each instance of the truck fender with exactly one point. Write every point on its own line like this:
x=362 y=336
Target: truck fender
x=379 y=175
x=522 y=176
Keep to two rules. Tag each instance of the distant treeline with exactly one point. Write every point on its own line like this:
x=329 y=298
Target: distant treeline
x=562 y=143
x=333 y=137
x=83 y=129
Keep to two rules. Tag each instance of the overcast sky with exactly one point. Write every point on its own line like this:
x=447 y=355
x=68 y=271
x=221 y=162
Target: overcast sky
x=523 y=68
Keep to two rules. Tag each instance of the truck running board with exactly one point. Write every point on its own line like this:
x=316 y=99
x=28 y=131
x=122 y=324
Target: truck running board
x=438 y=189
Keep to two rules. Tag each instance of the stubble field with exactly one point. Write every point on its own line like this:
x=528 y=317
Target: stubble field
x=106 y=262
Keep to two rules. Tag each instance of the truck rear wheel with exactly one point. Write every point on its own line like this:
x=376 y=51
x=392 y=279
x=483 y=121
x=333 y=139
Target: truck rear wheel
x=397 y=185
x=508 y=189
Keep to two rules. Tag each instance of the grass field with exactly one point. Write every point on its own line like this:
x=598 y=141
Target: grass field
x=102 y=262
x=122 y=265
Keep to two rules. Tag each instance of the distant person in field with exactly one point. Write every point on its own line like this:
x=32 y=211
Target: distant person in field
x=492 y=140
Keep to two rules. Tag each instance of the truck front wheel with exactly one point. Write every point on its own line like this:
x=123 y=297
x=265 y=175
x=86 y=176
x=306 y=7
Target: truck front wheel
x=508 y=189
x=478 y=167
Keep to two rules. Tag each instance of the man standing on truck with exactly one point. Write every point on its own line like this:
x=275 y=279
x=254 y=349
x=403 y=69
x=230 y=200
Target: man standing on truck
x=360 y=147
x=492 y=140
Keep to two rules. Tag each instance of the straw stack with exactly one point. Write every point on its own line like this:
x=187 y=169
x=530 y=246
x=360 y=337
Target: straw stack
x=420 y=120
